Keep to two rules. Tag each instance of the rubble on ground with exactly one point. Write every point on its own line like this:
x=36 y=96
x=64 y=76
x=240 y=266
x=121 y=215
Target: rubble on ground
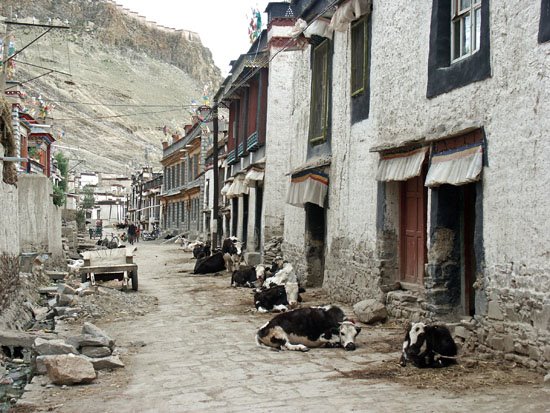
x=272 y=249
x=71 y=361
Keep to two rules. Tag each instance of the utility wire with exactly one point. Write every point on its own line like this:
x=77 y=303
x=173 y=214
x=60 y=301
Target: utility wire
x=268 y=60
x=115 y=116
x=27 y=45
x=29 y=80
x=122 y=104
x=42 y=67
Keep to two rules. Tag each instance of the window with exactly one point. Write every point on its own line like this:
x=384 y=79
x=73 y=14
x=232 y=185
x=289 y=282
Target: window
x=358 y=57
x=360 y=66
x=544 y=24
x=465 y=28
x=459 y=45
x=318 y=123
x=196 y=166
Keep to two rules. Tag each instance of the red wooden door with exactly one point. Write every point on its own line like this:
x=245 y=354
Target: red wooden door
x=413 y=230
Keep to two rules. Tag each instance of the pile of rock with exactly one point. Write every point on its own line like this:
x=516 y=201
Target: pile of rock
x=76 y=359
x=62 y=304
x=272 y=249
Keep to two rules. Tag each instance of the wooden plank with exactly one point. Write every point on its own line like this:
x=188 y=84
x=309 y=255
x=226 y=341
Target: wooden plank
x=105 y=269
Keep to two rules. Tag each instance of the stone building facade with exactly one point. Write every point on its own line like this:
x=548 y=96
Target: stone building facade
x=433 y=164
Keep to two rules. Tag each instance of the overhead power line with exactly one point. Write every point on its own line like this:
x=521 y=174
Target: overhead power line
x=115 y=116
x=137 y=105
x=266 y=61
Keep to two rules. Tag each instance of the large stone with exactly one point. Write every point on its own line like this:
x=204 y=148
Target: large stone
x=40 y=365
x=89 y=328
x=494 y=311
x=461 y=332
x=50 y=347
x=65 y=289
x=11 y=338
x=65 y=300
x=105 y=363
x=88 y=340
x=69 y=369
x=63 y=311
x=370 y=311
x=96 y=352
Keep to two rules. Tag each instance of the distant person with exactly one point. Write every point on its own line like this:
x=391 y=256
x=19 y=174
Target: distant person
x=138 y=232
x=132 y=233
x=91 y=232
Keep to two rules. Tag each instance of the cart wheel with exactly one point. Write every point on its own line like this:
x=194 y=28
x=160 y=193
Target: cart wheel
x=134 y=280
x=83 y=277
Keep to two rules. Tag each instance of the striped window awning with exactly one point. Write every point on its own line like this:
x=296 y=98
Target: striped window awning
x=308 y=186
x=401 y=166
x=254 y=175
x=456 y=166
x=237 y=188
x=347 y=12
x=226 y=187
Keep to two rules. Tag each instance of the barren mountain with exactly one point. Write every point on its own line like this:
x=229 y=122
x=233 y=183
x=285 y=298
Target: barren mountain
x=123 y=79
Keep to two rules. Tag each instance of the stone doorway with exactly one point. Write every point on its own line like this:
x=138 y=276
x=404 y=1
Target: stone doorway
x=455 y=249
x=315 y=244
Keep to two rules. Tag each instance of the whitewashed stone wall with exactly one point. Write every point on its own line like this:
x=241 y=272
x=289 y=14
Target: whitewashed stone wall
x=351 y=270
x=288 y=100
x=512 y=106
x=9 y=231
x=39 y=219
x=297 y=126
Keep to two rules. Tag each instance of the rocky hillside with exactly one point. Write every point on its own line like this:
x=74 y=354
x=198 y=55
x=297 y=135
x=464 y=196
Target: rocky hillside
x=129 y=78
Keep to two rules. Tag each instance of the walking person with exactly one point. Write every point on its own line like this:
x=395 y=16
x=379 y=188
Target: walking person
x=131 y=233
x=138 y=232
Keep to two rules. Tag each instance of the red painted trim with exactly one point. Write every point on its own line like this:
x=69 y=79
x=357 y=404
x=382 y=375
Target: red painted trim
x=281 y=22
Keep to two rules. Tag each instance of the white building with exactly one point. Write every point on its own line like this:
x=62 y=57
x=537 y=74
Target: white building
x=429 y=144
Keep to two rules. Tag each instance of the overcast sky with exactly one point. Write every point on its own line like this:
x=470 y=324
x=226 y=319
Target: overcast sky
x=221 y=24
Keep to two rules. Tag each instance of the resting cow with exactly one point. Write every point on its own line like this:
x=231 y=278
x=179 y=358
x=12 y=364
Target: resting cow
x=232 y=253
x=214 y=263
x=309 y=327
x=276 y=265
x=278 y=298
x=428 y=346
x=201 y=250
x=247 y=276
x=283 y=276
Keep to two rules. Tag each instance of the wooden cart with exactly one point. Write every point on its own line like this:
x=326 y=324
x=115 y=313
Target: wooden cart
x=110 y=264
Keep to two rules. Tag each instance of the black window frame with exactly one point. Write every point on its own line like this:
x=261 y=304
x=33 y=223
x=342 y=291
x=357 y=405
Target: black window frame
x=444 y=76
x=544 y=24
x=313 y=138
x=360 y=99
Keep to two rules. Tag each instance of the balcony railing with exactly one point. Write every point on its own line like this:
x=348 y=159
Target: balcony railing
x=252 y=143
x=231 y=157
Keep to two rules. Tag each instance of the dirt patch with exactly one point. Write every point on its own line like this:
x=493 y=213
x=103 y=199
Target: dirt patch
x=471 y=375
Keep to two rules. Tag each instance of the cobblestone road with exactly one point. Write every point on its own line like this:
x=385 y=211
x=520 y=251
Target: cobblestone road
x=200 y=355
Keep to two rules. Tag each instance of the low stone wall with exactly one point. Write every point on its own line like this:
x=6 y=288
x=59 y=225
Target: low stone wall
x=407 y=305
x=516 y=325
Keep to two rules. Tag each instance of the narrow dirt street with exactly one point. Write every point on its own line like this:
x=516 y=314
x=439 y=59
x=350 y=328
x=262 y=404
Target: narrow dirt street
x=196 y=352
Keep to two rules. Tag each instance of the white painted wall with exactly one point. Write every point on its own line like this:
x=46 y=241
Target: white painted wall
x=9 y=231
x=288 y=102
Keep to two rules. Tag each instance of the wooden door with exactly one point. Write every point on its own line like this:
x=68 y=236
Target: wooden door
x=413 y=230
